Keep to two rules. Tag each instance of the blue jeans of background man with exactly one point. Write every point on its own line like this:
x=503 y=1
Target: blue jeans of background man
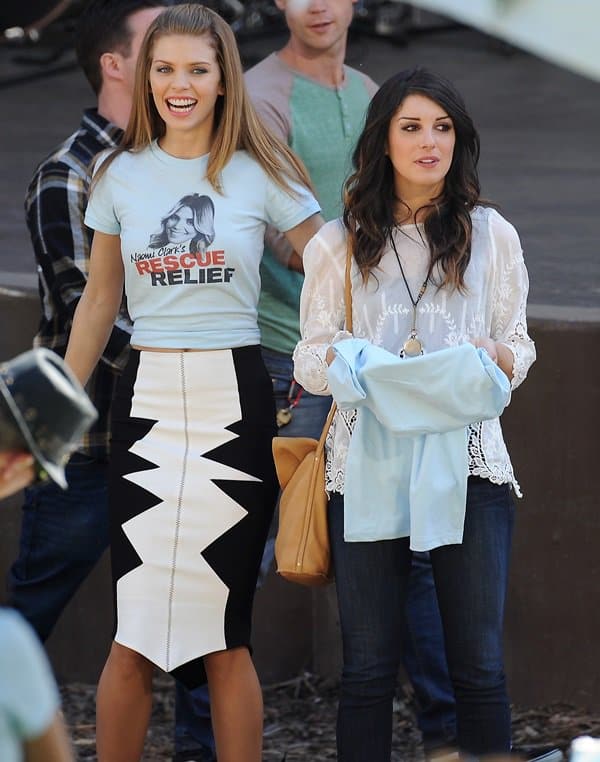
x=63 y=535
x=308 y=419
x=471 y=580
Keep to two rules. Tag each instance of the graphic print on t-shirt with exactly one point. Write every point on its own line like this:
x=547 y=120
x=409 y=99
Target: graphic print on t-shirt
x=178 y=252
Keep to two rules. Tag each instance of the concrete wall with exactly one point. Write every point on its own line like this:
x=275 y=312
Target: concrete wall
x=552 y=425
x=553 y=618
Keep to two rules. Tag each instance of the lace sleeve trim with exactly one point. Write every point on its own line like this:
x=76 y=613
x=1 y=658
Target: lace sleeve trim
x=509 y=323
x=310 y=367
x=522 y=348
x=480 y=466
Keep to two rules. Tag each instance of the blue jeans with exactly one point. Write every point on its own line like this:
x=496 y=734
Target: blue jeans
x=193 y=726
x=471 y=580
x=424 y=658
x=308 y=417
x=63 y=535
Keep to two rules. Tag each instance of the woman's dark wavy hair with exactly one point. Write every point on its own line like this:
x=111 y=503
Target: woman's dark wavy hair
x=369 y=196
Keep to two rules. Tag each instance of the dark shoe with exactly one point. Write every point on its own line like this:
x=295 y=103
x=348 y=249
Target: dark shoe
x=201 y=754
x=538 y=753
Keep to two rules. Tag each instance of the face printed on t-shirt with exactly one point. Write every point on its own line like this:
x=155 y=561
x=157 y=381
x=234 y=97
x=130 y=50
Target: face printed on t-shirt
x=179 y=227
x=190 y=220
x=179 y=251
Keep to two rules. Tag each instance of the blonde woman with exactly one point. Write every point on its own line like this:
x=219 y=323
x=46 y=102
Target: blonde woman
x=192 y=485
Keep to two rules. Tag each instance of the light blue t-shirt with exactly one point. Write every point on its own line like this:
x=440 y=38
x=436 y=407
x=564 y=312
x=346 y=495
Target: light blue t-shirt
x=191 y=255
x=28 y=694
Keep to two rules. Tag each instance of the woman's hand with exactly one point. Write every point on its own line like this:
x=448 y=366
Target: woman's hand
x=330 y=355
x=295 y=263
x=16 y=472
x=499 y=353
x=490 y=346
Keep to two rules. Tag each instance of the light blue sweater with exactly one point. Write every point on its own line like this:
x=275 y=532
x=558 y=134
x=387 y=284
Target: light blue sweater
x=407 y=464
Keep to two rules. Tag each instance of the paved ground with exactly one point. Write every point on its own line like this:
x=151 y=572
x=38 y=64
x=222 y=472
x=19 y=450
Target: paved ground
x=540 y=155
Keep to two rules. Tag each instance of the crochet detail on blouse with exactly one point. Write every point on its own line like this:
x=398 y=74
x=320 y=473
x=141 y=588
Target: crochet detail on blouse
x=497 y=473
x=493 y=305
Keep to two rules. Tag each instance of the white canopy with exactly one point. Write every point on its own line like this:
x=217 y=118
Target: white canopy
x=566 y=32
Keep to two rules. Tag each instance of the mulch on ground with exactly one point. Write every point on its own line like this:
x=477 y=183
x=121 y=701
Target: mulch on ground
x=300 y=723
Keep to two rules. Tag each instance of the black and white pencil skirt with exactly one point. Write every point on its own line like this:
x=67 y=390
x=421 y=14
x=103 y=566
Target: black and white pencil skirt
x=192 y=492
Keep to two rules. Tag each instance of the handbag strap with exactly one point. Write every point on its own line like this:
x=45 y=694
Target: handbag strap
x=323 y=436
x=348 y=310
x=348 y=290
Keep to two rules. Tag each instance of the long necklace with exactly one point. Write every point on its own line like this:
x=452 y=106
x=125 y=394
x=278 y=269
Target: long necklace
x=413 y=346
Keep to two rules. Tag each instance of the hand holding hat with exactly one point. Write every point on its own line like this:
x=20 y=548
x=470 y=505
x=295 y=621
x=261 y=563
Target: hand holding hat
x=16 y=471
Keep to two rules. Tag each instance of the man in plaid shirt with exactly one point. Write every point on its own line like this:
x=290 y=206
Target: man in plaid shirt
x=55 y=205
x=74 y=523
x=64 y=533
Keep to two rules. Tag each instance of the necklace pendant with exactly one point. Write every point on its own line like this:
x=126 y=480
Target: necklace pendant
x=412 y=346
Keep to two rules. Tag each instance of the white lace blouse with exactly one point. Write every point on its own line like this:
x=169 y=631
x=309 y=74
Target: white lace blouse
x=493 y=305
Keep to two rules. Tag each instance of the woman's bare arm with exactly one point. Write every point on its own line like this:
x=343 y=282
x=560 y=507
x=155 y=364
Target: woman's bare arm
x=98 y=307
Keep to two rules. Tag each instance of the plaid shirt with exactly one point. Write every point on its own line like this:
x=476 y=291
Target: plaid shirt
x=55 y=206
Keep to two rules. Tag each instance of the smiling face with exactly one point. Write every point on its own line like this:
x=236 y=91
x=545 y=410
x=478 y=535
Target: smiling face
x=420 y=146
x=180 y=225
x=317 y=25
x=185 y=80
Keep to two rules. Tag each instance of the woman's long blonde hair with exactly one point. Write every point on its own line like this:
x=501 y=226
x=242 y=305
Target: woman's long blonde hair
x=237 y=126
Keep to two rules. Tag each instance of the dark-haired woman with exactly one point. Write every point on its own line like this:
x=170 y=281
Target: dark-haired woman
x=432 y=269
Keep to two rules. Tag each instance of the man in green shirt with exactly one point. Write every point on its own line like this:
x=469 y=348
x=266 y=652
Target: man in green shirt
x=308 y=97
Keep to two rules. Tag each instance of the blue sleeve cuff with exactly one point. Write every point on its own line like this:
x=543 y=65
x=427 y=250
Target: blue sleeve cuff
x=342 y=375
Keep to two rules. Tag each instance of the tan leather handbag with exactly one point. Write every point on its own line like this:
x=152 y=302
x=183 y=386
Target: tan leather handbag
x=302 y=544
